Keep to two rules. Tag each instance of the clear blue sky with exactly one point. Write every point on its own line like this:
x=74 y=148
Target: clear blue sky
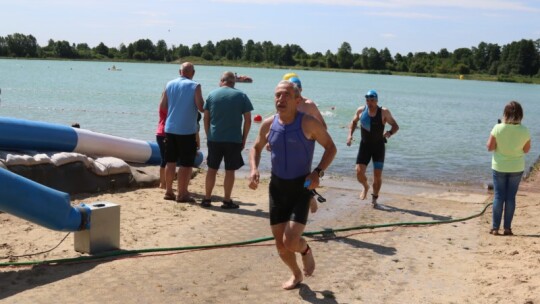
x=316 y=25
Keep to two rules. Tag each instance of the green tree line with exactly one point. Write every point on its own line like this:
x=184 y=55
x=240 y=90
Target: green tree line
x=516 y=58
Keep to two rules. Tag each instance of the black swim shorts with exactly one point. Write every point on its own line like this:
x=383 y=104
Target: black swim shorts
x=289 y=200
x=231 y=153
x=181 y=149
x=368 y=151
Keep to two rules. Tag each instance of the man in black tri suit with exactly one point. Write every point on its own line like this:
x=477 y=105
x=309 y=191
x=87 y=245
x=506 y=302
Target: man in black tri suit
x=372 y=122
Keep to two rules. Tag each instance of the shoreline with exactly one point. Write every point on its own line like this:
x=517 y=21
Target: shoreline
x=348 y=181
x=522 y=79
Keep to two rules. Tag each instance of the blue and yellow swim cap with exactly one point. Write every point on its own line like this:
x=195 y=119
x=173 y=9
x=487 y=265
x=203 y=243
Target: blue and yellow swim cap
x=296 y=81
x=289 y=76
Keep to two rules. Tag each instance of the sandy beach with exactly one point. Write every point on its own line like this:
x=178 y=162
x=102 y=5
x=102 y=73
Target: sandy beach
x=456 y=262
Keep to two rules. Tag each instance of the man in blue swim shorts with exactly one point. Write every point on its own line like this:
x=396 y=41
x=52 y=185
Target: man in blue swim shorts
x=372 y=122
x=292 y=136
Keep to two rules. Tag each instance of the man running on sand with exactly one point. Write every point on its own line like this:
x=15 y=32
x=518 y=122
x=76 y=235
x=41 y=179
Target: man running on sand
x=292 y=137
x=307 y=106
x=372 y=119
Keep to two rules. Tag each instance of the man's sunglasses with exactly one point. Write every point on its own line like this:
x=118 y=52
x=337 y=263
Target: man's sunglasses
x=320 y=199
x=371 y=96
x=314 y=192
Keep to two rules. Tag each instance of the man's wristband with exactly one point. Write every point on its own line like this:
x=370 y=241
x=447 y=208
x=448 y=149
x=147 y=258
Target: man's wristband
x=319 y=171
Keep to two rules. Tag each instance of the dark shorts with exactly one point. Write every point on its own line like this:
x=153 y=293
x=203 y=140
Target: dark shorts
x=289 y=200
x=230 y=152
x=368 y=151
x=181 y=149
x=160 y=139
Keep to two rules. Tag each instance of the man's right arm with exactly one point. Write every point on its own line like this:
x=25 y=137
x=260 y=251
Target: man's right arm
x=255 y=152
x=352 y=125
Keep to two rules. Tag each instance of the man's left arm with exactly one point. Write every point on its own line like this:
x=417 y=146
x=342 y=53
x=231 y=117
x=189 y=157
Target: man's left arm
x=388 y=118
x=206 y=120
x=199 y=100
x=316 y=130
x=246 y=128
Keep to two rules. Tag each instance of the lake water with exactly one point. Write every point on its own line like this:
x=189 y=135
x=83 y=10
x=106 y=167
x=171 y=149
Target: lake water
x=444 y=123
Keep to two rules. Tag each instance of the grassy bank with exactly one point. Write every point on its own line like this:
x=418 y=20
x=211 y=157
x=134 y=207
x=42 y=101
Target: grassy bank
x=235 y=63
x=479 y=77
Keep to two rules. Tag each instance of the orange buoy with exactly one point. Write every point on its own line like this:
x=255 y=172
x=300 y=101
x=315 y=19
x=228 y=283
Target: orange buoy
x=257 y=118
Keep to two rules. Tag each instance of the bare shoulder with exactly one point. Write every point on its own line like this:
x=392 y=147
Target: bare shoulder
x=387 y=117
x=309 y=101
x=309 y=118
x=310 y=122
x=267 y=122
x=309 y=108
x=385 y=111
x=311 y=126
x=264 y=130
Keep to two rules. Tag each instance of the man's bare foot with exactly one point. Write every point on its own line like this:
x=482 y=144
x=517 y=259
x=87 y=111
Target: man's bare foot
x=313 y=205
x=364 y=192
x=293 y=282
x=309 y=262
x=374 y=200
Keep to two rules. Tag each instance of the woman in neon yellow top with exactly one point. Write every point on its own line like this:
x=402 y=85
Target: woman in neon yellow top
x=509 y=141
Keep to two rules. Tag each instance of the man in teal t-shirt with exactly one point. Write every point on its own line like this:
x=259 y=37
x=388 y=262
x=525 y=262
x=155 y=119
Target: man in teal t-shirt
x=224 y=111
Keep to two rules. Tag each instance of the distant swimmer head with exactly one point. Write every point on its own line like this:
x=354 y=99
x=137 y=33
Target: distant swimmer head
x=372 y=94
x=289 y=75
x=296 y=81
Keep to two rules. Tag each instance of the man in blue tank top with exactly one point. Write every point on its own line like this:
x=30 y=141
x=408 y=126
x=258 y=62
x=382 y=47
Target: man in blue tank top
x=182 y=99
x=292 y=136
x=372 y=122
